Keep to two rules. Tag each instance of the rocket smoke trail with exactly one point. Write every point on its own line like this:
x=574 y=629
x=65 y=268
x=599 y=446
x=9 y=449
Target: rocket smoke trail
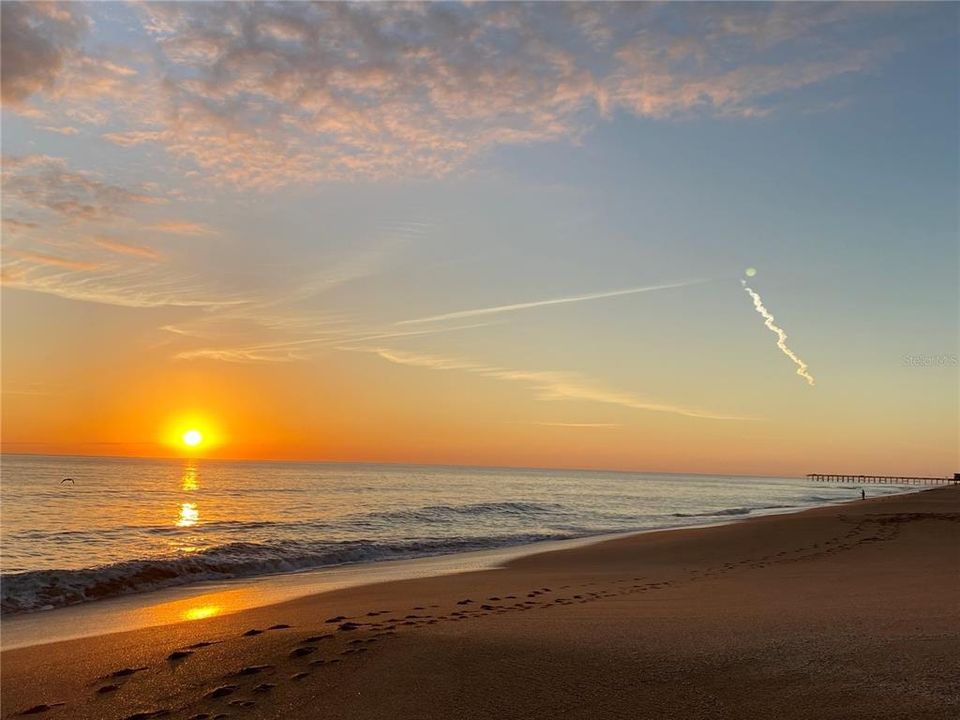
x=781 y=335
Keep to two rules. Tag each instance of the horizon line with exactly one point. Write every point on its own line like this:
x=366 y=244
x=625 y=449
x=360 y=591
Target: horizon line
x=421 y=464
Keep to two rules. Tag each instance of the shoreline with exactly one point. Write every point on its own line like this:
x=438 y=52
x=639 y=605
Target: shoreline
x=793 y=615
x=178 y=603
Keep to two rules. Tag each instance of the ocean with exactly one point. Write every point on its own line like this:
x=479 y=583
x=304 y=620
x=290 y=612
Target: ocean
x=126 y=525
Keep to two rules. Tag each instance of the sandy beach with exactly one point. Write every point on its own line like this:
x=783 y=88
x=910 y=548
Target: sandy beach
x=841 y=612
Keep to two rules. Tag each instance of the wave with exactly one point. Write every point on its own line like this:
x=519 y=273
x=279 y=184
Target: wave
x=431 y=514
x=732 y=511
x=452 y=513
x=45 y=589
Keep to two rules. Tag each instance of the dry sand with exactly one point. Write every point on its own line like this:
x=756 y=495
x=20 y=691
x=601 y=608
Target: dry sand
x=850 y=611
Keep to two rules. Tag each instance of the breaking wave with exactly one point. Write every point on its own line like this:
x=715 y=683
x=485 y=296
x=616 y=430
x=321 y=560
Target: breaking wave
x=43 y=589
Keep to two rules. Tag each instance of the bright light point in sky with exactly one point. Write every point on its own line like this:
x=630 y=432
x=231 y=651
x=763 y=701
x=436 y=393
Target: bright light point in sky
x=750 y=272
x=192 y=438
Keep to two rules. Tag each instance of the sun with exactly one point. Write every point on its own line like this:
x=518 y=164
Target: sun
x=192 y=438
x=191 y=434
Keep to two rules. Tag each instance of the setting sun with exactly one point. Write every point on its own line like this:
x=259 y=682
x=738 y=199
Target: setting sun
x=192 y=438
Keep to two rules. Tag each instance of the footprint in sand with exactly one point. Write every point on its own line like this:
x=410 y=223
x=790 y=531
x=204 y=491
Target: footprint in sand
x=336 y=619
x=303 y=651
x=43 y=707
x=264 y=687
x=317 y=638
x=108 y=689
x=252 y=670
x=125 y=672
x=148 y=714
x=299 y=675
x=179 y=654
x=222 y=691
x=280 y=626
x=252 y=632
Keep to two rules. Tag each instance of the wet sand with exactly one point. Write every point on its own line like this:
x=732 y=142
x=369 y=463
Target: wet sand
x=851 y=611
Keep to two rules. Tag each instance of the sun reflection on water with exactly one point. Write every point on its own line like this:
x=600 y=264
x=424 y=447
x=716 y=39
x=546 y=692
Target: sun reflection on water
x=190 y=480
x=200 y=612
x=189 y=515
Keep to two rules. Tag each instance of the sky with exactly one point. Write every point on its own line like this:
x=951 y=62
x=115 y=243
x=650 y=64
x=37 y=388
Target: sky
x=484 y=234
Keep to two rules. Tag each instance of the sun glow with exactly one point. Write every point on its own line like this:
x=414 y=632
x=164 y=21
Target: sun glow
x=192 y=438
x=191 y=434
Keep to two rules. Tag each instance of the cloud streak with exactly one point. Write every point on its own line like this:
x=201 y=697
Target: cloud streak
x=293 y=350
x=548 y=384
x=183 y=227
x=497 y=309
x=123 y=248
x=37 y=258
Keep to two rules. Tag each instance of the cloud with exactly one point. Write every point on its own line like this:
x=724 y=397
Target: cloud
x=495 y=310
x=45 y=182
x=12 y=225
x=117 y=246
x=107 y=271
x=241 y=355
x=37 y=40
x=36 y=258
x=262 y=95
x=65 y=130
x=182 y=227
x=293 y=350
x=548 y=384
x=599 y=426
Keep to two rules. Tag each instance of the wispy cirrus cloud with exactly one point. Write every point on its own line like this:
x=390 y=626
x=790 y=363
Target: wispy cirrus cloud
x=498 y=309
x=36 y=258
x=331 y=335
x=124 y=248
x=548 y=384
x=587 y=425
x=183 y=227
x=138 y=285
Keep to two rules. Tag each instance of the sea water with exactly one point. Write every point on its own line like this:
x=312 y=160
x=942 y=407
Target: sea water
x=132 y=525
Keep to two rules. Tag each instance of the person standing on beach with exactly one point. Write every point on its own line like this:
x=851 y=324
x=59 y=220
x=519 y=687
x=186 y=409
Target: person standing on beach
x=863 y=494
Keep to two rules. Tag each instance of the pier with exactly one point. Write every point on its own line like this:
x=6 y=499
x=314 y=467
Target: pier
x=885 y=479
